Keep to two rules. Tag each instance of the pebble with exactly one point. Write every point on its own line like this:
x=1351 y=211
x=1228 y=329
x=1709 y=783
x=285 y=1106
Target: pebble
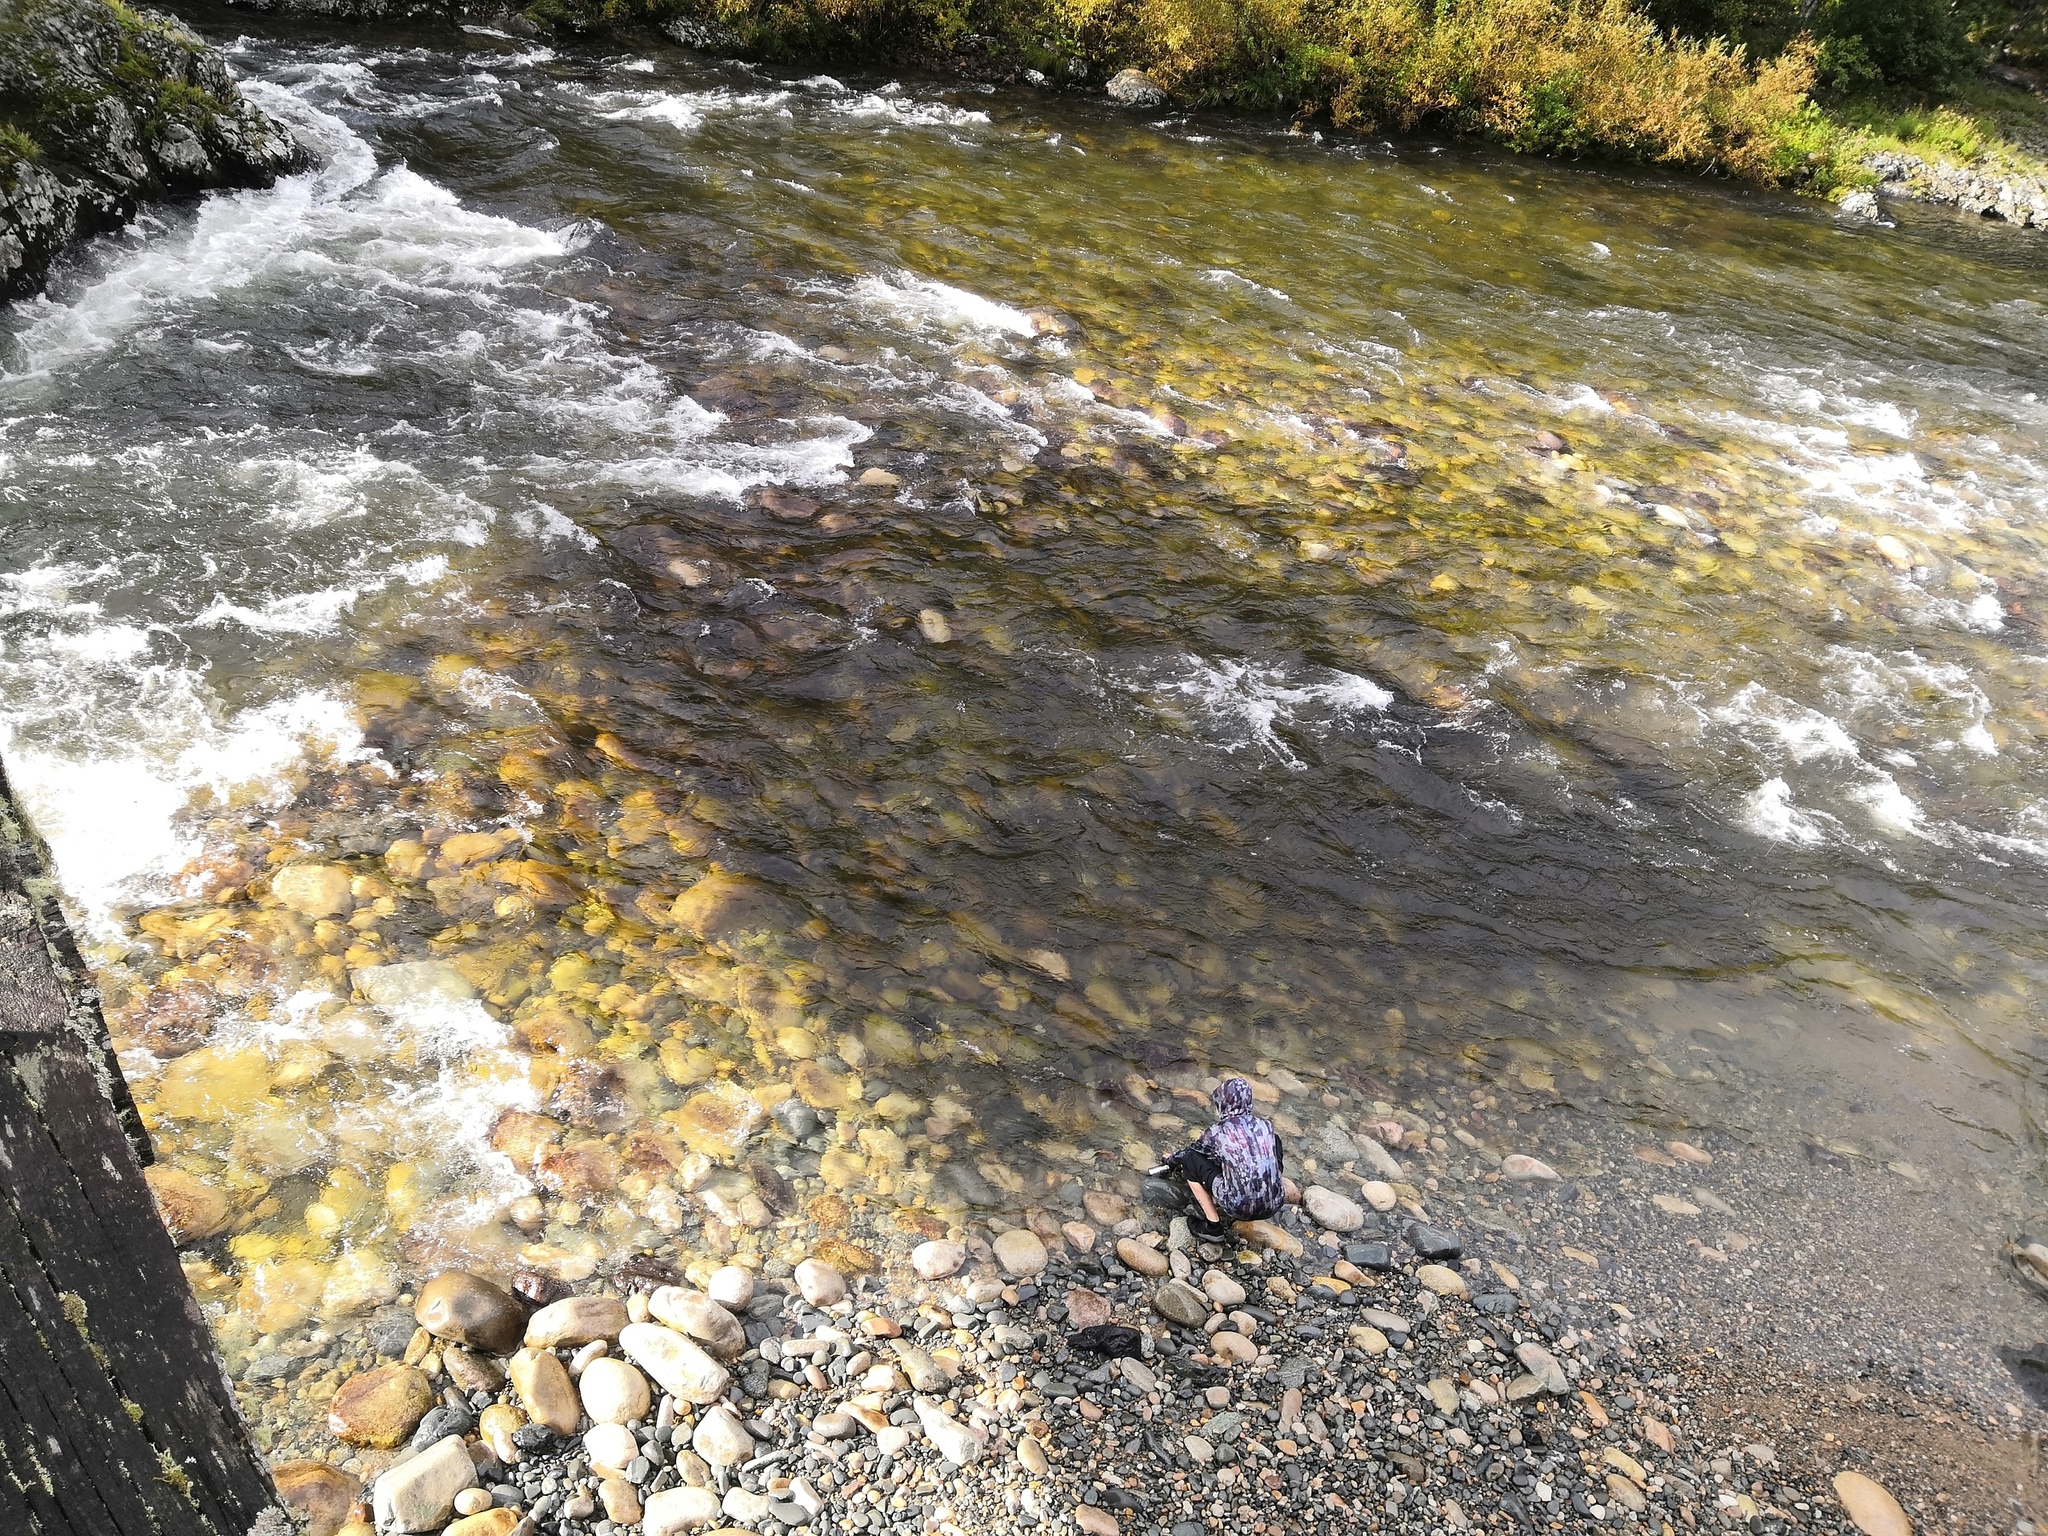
x=676 y=1510
x=678 y=1366
x=1222 y=1289
x=1087 y=1309
x=731 y=1287
x=1870 y=1505
x=610 y=1446
x=621 y=1501
x=1441 y=1279
x=1079 y=1235
x=1686 y=1152
x=1235 y=1347
x=819 y=1283
x=319 y=1494
x=1520 y=1168
x=1142 y=1258
x=1434 y=1243
x=923 y=1372
x=545 y=1390
x=419 y=1494
x=1332 y=1210
x=721 y=1438
x=613 y=1392
x=1542 y=1364
x=486 y=1522
x=959 y=1442
x=702 y=1319
x=462 y=1308
x=937 y=1260
x=1379 y=1195
x=1093 y=1520
x=380 y=1408
x=1031 y=1456
x=1179 y=1302
x=1022 y=1253
x=575 y=1321
x=1625 y=1493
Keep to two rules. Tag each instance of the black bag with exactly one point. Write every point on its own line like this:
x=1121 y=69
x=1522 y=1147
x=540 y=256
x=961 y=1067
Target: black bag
x=1111 y=1339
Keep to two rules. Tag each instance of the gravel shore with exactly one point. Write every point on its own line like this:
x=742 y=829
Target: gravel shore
x=1453 y=1339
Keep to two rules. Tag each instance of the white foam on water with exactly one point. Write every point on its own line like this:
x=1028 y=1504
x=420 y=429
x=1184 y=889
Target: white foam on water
x=1769 y=812
x=114 y=815
x=1800 y=733
x=889 y=106
x=926 y=303
x=1237 y=705
x=685 y=111
x=1892 y=810
x=1223 y=277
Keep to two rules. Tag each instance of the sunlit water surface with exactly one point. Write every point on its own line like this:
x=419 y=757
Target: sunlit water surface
x=1217 y=673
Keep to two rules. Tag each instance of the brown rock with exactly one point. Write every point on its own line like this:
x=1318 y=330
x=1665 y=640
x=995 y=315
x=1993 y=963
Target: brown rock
x=320 y=1495
x=1095 y=1521
x=579 y=1171
x=575 y=1321
x=492 y=1522
x=545 y=1390
x=1142 y=1257
x=380 y=1408
x=192 y=1208
x=592 y=1097
x=471 y=1371
x=523 y=1137
x=1086 y=1309
x=1871 y=1506
x=462 y=1308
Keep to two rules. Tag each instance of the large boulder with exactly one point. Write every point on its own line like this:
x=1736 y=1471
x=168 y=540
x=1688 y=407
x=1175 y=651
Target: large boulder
x=1136 y=89
x=110 y=106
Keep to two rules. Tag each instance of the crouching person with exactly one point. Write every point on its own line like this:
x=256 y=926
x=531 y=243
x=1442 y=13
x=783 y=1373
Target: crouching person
x=1234 y=1171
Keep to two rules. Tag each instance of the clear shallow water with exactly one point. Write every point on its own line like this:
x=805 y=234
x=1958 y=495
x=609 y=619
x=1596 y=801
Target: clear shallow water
x=1225 y=679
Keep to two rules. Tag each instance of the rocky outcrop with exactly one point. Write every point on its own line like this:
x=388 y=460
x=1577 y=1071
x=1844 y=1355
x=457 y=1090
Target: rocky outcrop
x=102 y=108
x=2017 y=199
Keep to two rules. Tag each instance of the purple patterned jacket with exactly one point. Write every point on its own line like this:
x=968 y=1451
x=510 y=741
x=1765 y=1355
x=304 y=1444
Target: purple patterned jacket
x=1247 y=1149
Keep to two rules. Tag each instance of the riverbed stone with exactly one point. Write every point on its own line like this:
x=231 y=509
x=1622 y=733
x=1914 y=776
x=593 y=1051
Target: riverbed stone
x=1442 y=1279
x=819 y=1283
x=1434 y=1243
x=1179 y=1302
x=675 y=1510
x=703 y=1319
x=938 y=1259
x=314 y=890
x=1379 y=1194
x=721 y=1439
x=958 y=1441
x=419 y=1494
x=1520 y=1168
x=732 y=1287
x=575 y=1321
x=610 y=1446
x=614 y=1392
x=1332 y=1210
x=1142 y=1258
x=1871 y=1506
x=1087 y=1309
x=319 y=1494
x=1021 y=1252
x=380 y=1408
x=545 y=1391
x=677 y=1364
x=1222 y=1289
x=192 y=1209
x=463 y=1308
x=1542 y=1364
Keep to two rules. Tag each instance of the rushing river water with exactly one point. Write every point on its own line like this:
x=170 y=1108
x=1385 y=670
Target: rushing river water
x=948 y=599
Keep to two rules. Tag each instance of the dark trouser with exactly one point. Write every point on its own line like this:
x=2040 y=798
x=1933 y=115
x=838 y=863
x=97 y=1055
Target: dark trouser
x=1197 y=1167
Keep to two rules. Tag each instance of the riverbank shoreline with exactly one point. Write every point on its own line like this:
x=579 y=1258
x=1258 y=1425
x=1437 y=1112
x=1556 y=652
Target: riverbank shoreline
x=1672 y=1334
x=1455 y=1361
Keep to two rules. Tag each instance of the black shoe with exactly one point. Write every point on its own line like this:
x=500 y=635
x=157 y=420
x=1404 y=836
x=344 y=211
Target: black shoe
x=1209 y=1231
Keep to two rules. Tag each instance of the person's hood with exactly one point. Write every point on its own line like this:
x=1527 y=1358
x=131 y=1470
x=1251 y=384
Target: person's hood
x=1232 y=1096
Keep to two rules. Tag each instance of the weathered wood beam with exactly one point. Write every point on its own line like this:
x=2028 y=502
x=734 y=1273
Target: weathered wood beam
x=116 y=1414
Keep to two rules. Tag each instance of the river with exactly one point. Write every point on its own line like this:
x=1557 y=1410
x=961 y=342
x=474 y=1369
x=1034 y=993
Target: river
x=989 y=610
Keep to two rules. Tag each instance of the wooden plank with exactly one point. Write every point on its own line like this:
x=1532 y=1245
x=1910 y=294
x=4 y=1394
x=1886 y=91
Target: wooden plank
x=116 y=1415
